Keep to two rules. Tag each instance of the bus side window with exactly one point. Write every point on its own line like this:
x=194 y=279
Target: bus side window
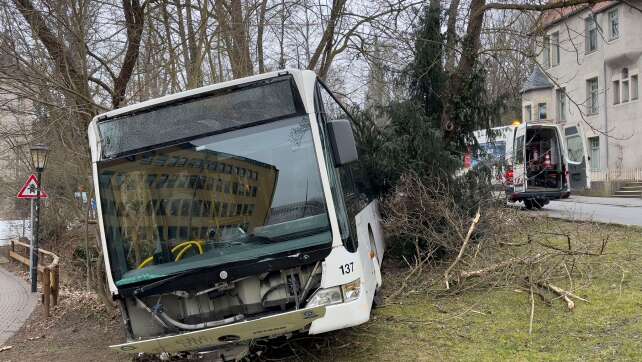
x=341 y=182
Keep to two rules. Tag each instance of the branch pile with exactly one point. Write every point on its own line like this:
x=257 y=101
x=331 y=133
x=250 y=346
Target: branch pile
x=492 y=247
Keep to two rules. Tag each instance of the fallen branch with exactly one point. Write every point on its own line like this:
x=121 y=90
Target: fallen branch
x=530 y=322
x=463 y=248
x=498 y=266
x=417 y=267
x=564 y=294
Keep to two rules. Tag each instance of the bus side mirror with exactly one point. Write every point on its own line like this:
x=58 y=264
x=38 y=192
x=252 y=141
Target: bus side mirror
x=344 y=147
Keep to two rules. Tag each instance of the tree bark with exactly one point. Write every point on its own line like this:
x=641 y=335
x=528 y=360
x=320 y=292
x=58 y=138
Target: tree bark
x=451 y=35
x=134 y=21
x=234 y=33
x=259 y=36
x=328 y=34
x=173 y=72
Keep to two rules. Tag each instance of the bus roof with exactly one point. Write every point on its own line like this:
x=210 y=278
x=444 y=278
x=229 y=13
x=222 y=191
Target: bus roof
x=192 y=92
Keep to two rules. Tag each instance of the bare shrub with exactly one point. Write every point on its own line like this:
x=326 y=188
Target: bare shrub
x=430 y=216
x=500 y=246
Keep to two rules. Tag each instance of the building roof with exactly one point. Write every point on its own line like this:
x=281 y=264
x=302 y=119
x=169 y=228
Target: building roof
x=537 y=80
x=550 y=17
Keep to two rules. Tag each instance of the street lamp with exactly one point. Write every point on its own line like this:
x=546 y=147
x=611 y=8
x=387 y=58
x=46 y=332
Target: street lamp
x=39 y=154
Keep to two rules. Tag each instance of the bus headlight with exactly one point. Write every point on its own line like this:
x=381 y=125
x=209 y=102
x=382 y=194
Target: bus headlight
x=333 y=295
x=325 y=297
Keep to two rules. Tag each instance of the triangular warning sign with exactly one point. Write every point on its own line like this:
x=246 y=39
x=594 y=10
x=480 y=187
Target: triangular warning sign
x=30 y=189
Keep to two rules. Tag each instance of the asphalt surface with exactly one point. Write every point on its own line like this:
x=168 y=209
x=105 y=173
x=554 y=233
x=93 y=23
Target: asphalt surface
x=16 y=304
x=601 y=209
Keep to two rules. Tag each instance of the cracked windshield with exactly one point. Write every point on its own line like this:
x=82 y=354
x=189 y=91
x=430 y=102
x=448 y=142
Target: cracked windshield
x=231 y=197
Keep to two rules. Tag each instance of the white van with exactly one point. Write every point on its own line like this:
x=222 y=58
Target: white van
x=548 y=161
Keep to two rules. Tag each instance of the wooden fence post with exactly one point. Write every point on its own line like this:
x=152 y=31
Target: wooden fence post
x=56 y=284
x=49 y=274
x=46 y=289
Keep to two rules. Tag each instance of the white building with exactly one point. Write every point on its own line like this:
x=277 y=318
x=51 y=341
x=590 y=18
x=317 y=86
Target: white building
x=12 y=132
x=589 y=74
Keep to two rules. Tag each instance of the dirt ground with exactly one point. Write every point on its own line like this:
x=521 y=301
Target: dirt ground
x=79 y=329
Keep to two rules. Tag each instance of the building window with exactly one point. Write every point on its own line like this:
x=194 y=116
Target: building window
x=592 y=100
x=625 y=85
x=541 y=110
x=616 y=92
x=594 y=143
x=635 y=91
x=614 y=24
x=590 y=36
x=527 y=113
x=547 y=52
x=561 y=104
x=555 y=42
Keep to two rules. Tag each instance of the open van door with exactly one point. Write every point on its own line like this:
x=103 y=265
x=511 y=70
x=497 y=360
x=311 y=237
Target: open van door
x=577 y=158
x=519 y=159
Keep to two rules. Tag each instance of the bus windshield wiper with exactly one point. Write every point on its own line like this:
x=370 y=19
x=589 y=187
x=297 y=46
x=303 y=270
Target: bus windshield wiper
x=290 y=236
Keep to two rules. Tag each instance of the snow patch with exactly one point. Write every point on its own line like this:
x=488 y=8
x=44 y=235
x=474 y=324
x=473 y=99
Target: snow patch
x=13 y=229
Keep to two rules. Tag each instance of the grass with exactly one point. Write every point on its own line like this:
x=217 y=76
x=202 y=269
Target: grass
x=491 y=323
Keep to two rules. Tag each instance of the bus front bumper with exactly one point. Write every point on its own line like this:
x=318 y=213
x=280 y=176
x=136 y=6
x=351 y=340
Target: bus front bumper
x=273 y=325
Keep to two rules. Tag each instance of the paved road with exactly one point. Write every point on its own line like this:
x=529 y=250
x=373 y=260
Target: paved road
x=602 y=209
x=16 y=304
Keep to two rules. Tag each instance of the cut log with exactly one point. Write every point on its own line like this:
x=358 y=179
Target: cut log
x=564 y=294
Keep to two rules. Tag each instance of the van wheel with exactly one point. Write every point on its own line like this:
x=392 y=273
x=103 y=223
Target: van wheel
x=539 y=203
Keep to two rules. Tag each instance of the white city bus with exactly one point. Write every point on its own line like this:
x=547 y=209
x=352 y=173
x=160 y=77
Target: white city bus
x=228 y=213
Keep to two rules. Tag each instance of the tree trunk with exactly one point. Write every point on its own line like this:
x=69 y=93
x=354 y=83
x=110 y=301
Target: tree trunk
x=259 y=36
x=451 y=35
x=465 y=68
x=134 y=21
x=328 y=34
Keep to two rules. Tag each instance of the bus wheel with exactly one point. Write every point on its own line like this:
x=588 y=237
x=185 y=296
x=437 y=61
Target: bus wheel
x=528 y=204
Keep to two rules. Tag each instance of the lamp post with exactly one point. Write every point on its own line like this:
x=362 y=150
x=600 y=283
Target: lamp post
x=39 y=159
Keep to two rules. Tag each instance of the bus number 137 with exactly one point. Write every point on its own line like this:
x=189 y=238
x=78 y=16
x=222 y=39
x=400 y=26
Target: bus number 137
x=347 y=268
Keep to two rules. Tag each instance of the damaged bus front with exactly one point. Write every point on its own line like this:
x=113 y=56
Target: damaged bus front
x=228 y=213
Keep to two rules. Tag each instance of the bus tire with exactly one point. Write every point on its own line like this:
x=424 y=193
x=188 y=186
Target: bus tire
x=528 y=203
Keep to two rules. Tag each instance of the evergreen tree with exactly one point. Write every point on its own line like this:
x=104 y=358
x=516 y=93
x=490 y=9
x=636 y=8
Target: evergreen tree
x=414 y=141
x=427 y=70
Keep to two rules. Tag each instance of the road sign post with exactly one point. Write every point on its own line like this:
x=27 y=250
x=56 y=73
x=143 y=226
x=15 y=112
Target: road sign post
x=31 y=238
x=39 y=159
x=34 y=249
x=32 y=191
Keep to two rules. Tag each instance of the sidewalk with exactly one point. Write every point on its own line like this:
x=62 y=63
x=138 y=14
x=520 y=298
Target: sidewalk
x=612 y=210
x=611 y=201
x=16 y=304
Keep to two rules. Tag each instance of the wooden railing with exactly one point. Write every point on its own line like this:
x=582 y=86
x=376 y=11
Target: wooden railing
x=618 y=174
x=49 y=275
